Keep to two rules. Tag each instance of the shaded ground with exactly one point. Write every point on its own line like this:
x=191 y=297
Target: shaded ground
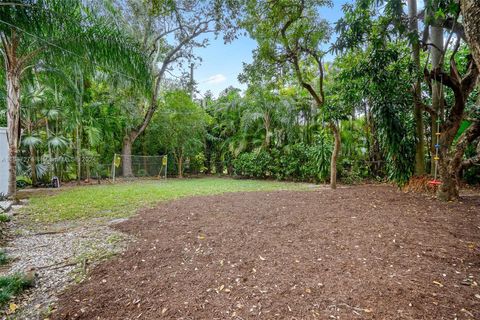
x=367 y=252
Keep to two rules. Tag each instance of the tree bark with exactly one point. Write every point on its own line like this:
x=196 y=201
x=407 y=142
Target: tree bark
x=13 y=73
x=452 y=165
x=437 y=92
x=471 y=21
x=127 y=156
x=179 y=157
x=451 y=158
x=418 y=110
x=335 y=152
x=448 y=190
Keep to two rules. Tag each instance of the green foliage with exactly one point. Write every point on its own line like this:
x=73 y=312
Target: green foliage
x=197 y=163
x=292 y=162
x=253 y=164
x=384 y=78
x=4 y=259
x=13 y=285
x=179 y=127
x=4 y=217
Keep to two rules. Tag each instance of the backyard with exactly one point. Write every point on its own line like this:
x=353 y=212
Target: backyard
x=248 y=159
x=225 y=248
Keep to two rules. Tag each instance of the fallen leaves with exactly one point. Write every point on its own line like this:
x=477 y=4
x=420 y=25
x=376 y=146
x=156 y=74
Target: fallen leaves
x=12 y=308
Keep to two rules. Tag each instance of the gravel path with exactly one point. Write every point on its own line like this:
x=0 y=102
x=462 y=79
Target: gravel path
x=58 y=259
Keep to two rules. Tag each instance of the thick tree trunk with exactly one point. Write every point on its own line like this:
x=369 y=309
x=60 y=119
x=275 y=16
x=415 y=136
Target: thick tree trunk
x=448 y=190
x=471 y=21
x=127 y=156
x=418 y=110
x=13 y=123
x=335 y=152
x=451 y=166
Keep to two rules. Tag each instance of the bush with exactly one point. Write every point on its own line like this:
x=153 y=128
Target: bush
x=197 y=164
x=4 y=217
x=353 y=171
x=253 y=164
x=293 y=162
x=3 y=258
x=12 y=285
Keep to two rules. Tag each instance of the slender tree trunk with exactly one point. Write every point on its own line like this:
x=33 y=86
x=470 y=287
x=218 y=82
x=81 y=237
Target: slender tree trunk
x=127 y=156
x=51 y=170
x=33 y=165
x=335 y=152
x=78 y=153
x=471 y=21
x=437 y=92
x=180 y=164
x=266 y=123
x=419 y=130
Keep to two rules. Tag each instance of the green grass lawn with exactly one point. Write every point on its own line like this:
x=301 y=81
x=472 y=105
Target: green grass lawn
x=123 y=199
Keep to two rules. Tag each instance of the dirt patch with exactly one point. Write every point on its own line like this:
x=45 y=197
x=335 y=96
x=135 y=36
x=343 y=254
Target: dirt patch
x=368 y=252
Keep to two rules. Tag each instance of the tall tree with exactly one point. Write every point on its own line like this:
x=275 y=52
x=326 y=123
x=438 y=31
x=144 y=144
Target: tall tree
x=290 y=36
x=179 y=127
x=169 y=31
x=418 y=111
x=37 y=32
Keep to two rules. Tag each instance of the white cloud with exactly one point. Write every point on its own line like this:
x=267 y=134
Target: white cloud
x=215 y=79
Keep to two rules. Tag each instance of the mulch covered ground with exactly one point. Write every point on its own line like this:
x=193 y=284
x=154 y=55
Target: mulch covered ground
x=367 y=252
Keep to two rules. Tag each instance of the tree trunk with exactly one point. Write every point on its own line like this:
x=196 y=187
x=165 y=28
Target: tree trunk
x=448 y=190
x=335 y=152
x=471 y=21
x=33 y=165
x=451 y=165
x=180 y=166
x=419 y=130
x=78 y=153
x=266 y=124
x=437 y=92
x=127 y=156
x=13 y=123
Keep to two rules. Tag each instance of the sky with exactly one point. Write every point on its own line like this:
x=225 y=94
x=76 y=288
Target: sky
x=222 y=63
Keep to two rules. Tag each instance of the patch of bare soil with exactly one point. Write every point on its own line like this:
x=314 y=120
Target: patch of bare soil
x=367 y=252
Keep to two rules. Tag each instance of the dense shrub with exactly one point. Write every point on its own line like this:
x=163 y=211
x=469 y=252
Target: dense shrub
x=352 y=172
x=197 y=164
x=253 y=164
x=293 y=162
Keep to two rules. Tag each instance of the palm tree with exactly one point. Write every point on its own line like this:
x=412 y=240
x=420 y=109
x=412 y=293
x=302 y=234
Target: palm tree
x=38 y=33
